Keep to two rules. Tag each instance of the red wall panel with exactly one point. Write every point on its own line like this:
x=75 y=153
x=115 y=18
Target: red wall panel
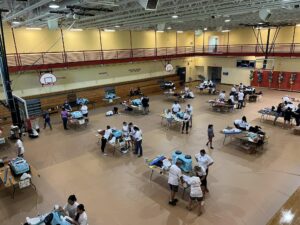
x=285 y=85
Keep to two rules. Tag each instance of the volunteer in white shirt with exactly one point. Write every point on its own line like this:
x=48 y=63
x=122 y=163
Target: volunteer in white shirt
x=232 y=100
x=81 y=216
x=186 y=122
x=125 y=131
x=169 y=117
x=240 y=99
x=176 y=107
x=196 y=193
x=138 y=141
x=205 y=161
x=233 y=90
x=84 y=110
x=174 y=176
x=71 y=207
x=222 y=96
x=286 y=99
x=242 y=124
x=20 y=148
x=189 y=109
x=106 y=136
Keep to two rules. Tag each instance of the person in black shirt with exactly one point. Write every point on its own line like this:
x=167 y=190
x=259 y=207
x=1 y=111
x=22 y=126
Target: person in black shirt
x=145 y=104
x=287 y=116
x=279 y=112
x=297 y=115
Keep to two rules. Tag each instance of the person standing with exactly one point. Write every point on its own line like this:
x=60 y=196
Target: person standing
x=138 y=141
x=189 y=109
x=175 y=176
x=67 y=106
x=84 y=110
x=64 y=116
x=20 y=148
x=196 y=194
x=176 y=107
x=205 y=161
x=240 y=99
x=145 y=104
x=104 y=139
x=46 y=117
x=211 y=135
x=186 y=122
x=297 y=115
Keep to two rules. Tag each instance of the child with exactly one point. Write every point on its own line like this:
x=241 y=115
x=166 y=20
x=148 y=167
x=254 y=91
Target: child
x=287 y=117
x=211 y=135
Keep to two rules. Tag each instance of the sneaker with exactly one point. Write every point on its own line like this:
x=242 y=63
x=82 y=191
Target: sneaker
x=172 y=203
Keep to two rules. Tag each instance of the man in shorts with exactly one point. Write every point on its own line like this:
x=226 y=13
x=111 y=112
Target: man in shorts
x=175 y=176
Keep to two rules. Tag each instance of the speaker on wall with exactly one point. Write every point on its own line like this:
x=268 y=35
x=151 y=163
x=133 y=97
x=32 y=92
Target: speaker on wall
x=264 y=14
x=149 y=4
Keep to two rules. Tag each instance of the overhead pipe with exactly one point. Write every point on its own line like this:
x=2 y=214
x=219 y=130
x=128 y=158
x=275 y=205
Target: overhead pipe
x=27 y=9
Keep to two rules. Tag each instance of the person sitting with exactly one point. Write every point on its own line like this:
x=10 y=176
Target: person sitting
x=242 y=124
x=84 y=110
x=176 y=107
x=169 y=117
x=67 y=106
x=286 y=98
x=70 y=208
x=81 y=216
x=288 y=105
x=222 y=96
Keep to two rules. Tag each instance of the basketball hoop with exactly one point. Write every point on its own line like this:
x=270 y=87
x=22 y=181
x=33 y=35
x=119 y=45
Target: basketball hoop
x=47 y=79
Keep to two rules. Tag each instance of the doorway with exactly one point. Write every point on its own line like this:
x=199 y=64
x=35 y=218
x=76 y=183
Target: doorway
x=213 y=43
x=214 y=74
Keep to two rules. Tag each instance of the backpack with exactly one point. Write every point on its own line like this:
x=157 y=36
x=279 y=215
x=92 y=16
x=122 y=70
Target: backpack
x=77 y=115
x=136 y=102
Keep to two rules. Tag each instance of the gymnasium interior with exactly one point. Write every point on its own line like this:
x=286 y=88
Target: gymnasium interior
x=102 y=100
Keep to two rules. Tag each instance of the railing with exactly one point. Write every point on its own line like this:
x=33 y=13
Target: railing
x=49 y=58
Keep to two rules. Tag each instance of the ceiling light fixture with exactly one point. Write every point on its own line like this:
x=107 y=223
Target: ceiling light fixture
x=15 y=22
x=109 y=30
x=169 y=28
x=227 y=21
x=225 y=31
x=298 y=25
x=179 y=31
x=205 y=28
x=117 y=26
x=53 y=6
x=160 y=31
x=260 y=23
x=33 y=28
x=174 y=16
x=76 y=29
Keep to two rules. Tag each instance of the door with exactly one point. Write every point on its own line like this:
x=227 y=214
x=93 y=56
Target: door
x=215 y=74
x=213 y=43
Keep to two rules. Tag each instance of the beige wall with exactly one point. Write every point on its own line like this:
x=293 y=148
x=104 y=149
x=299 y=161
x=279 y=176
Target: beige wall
x=82 y=41
x=27 y=84
x=50 y=40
